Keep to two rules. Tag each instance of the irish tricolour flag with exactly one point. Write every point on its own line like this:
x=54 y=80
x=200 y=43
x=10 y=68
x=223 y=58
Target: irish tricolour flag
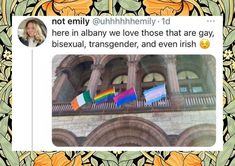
x=80 y=100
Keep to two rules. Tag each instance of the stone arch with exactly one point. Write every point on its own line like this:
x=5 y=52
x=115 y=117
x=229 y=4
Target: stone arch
x=62 y=137
x=72 y=60
x=127 y=131
x=199 y=135
x=107 y=58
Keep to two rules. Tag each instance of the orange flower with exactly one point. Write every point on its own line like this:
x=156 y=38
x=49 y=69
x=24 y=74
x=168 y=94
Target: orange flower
x=168 y=7
x=57 y=159
x=178 y=159
x=67 y=7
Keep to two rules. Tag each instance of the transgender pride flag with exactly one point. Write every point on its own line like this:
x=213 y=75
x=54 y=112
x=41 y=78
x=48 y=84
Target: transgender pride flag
x=155 y=94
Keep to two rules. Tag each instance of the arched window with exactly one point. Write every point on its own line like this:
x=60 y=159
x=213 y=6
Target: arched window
x=151 y=80
x=187 y=75
x=120 y=82
x=153 y=77
x=122 y=79
x=189 y=82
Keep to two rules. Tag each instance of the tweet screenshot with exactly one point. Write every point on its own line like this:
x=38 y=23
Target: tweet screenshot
x=117 y=83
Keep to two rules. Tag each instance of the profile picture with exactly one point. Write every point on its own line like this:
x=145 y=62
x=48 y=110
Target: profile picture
x=32 y=32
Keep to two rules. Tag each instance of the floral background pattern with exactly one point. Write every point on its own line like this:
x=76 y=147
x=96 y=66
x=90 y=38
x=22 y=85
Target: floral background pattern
x=9 y=8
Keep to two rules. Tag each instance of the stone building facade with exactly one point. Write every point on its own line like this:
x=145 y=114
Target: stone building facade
x=186 y=117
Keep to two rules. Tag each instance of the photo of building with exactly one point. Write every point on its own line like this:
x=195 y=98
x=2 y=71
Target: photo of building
x=185 y=117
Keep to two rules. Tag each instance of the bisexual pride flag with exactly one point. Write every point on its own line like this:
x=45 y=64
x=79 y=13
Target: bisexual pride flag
x=104 y=96
x=125 y=97
x=155 y=94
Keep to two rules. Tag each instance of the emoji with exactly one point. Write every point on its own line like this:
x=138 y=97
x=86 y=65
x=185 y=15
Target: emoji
x=205 y=43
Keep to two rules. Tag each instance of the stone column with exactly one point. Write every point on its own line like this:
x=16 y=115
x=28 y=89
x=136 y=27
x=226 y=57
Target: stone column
x=132 y=71
x=173 y=83
x=97 y=69
x=172 y=77
x=58 y=85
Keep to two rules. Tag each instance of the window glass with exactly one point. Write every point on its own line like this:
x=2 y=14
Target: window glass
x=187 y=75
x=122 y=79
x=197 y=89
x=153 y=77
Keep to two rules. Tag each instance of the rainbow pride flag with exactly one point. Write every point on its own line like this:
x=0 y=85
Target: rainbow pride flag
x=125 y=97
x=104 y=96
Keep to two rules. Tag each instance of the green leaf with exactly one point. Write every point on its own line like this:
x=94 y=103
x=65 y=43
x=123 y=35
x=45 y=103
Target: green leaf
x=33 y=155
x=2 y=27
x=226 y=32
x=129 y=14
x=94 y=162
x=233 y=50
x=227 y=72
x=106 y=156
x=4 y=125
x=227 y=63
x=2 y=77
x=28 y=161
x=214 y=8
x=105 y=14
x=5 y=39
x=2 y=162
x=130 y=5
x=141 y=12
x=129 y=155
x=21 y=8
x=231 y=125
x=111 y=163
x=1 y=50
x=194 y=13
x=7 y=63
x=7 y=93
x=8 y=72
x=9 y=32
x=129 y=163
x=40 y=13
x=224 y=155
x=8 y=11
x=204 y=2
x=227 y=11
x=206 y=10
x=2 y=84
x=230 y=108
x=229 y=39
x=103 y=5
x=10 y=155
x=29 y=10
x=4 y=108
x=94 y=12
x=30 y=2
x=141 y=161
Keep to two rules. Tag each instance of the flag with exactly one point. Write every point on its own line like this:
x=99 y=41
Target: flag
x=155 y=94
x=104 y=96
x=80 y=100
x=125 y=97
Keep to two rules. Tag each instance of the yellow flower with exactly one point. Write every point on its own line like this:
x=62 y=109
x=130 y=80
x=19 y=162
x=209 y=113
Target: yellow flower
x=228 y=54
x=7 y=55
x=67 y=7
x=178 y=159
x=57 y=159
x=168 y=7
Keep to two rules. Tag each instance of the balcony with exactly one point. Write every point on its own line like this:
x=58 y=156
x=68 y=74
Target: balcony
x=189 y=103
